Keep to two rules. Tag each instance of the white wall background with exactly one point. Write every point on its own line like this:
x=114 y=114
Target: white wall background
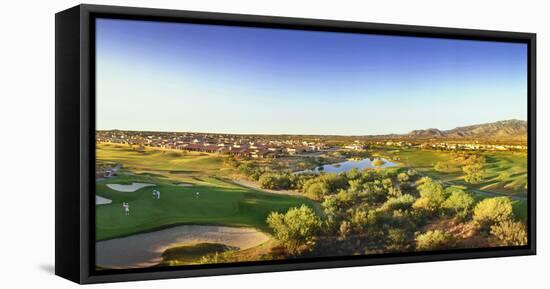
x=27 y=144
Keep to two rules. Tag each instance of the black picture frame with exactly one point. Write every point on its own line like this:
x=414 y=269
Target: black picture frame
x=75 y=142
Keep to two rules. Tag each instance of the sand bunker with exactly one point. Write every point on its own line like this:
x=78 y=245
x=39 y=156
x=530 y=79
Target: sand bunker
x=184 y=185
x=128 y=188
x=99 y=200
x=144 y=250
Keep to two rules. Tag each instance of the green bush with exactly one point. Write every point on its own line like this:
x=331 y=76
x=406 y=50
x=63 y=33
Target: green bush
x=323 y=185
x=403 y=177
x=317 y=190
x=362 y=220
x=275 y=181
x=431 y=198
x=492 y=211
x=403 y=202
x=459 y=203
x=397 y=240
x=473 y=169
x=378 y=162
x=509 y=233
x=296 y=229
x=345 y=229
x=435 y=240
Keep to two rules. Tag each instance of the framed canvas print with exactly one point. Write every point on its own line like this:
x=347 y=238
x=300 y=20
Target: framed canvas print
x=193 y=144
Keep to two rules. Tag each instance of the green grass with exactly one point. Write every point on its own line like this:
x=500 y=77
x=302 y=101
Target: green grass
x=520 y=209
x=219 y=202
x=514 y=164
x=157 y=159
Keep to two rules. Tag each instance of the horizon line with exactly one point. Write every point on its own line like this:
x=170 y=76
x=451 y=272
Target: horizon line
x=297 y=134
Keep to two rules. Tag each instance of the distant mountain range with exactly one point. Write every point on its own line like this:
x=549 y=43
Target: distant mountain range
x=505 y=130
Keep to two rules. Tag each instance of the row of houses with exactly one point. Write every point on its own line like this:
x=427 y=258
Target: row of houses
x=242 y=145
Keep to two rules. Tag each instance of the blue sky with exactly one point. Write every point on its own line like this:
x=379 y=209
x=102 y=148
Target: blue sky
x=205 y=78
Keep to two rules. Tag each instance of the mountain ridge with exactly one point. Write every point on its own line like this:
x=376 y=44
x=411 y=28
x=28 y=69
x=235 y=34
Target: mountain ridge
x=504 y=129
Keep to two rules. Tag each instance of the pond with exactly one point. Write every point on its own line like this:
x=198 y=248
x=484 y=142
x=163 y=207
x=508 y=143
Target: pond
x=345 y=166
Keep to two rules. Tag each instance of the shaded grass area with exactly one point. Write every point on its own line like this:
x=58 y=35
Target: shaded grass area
x=520 y=209
x=191 y=254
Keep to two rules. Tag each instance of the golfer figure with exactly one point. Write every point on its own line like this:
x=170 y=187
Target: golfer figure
x=156 y=194
x=126 y=207
x=197 y=194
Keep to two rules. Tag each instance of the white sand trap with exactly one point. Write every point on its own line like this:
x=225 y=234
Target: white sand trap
x=99 y=200
x=128 y=188
x=145 y=250
x=184 y=185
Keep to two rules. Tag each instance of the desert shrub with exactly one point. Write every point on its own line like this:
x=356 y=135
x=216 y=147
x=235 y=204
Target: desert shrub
x=413 y=174
x=355 y=185
x=324 y=185
x=247 y=168
x=217 y=258
x=387 y=183
x=231 y=162
x=459 y=203
x=378 y=162
x=492 y=211
x=353 y=174
x=431 y=198
x=403 y=177
x=473 y=169
x=403 y=202
x=316 y=190
x=299 y=180
x=296 y=229
x=404 y=219
x=374 y=193
x=250 y=170
x=275 y=181
x=345 y=229
x=407 y=188
x=397 y=240
x=395 y=192
x=509 y=233
x=331 y=206
x=435 y=240
x=362 y=220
